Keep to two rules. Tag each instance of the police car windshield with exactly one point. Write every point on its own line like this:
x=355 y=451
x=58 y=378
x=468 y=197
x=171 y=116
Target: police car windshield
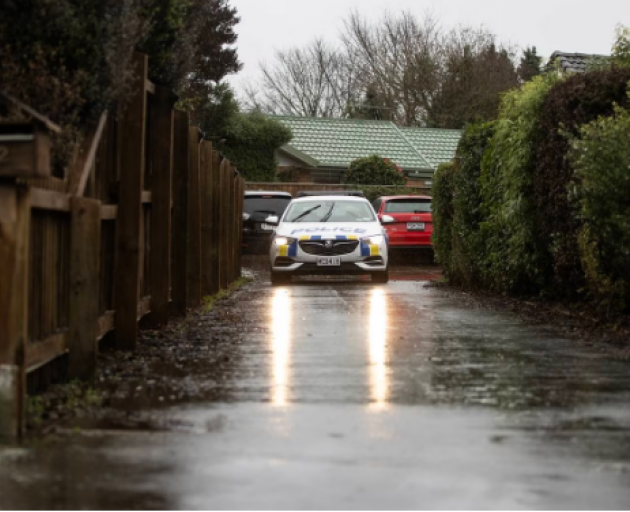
x=329 y=211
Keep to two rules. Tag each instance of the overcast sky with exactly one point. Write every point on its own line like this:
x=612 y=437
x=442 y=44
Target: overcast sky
x=568 y=25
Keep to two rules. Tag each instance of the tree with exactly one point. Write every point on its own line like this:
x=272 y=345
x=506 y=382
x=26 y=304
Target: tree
x=530 y=65
x=472 y=85
x=316 y=80
x=401 y=68
x=191 y=44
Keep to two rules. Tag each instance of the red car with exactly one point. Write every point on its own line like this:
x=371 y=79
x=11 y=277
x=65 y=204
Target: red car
x=407 y=220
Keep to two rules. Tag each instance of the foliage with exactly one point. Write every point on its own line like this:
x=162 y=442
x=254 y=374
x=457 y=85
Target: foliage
x=372 y=192
x=600 y=154
x=191 y=43
x=578 y=100
x=401 y=68
x=472 y=85
x=621 y=48
x=468 y=257
x=530 y=65
x=70 y=59
x=443 y=212
x=214 y=111
x=251 y=141
x=374 y=170
x=516 y=260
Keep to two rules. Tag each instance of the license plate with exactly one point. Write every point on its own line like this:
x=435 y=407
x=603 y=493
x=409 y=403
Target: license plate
x=328 y=262
x=415 y=226
x=267 y=227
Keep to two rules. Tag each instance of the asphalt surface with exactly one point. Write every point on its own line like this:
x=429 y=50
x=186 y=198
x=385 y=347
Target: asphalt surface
x=347 y=395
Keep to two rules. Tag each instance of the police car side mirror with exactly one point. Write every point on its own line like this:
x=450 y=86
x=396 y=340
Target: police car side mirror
x=386 y=219
x=272 y=221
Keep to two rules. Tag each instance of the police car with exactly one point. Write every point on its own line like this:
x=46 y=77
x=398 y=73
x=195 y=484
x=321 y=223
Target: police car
x=328 y=235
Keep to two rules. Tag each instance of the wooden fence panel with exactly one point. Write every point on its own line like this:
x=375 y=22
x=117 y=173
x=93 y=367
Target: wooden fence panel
x=179 y=245
x=14 y=242
x=215 y=234
x=84 y=287
x=194 y=220
x=129 y=245
x=162 y=164
x=149 y=219
x=207 y=221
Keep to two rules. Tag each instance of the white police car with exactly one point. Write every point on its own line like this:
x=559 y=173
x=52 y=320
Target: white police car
x=338 y=235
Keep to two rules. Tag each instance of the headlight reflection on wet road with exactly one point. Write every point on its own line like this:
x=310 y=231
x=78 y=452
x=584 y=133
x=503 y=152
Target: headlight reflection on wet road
x=379 y=381
x=280 y=346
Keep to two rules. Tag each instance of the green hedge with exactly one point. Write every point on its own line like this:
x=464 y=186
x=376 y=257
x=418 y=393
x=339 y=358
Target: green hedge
x=537 y=202
x=374 y=170
x=576 y=101
x=443 y=212
x=600 y=155
x=251 y=141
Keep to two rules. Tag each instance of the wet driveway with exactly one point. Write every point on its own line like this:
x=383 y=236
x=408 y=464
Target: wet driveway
x=355 y=396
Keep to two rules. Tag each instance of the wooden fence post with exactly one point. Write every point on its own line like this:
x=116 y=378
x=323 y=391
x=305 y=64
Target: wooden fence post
x=179 y=228
x=223 y=226
x=85 y=250
x=215 y=186
x=236 y=246
x=194 y=219
x=241 y=194
x=207 y=224
x=129 y=243
x=161 y=192
x=15 y=213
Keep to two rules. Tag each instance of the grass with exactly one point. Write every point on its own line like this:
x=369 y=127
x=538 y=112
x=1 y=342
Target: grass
x=210 y=300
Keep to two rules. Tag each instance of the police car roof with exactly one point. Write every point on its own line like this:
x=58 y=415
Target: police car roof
x=274 y=193
x=308 y=199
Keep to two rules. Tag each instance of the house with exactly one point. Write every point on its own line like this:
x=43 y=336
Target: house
x=322 y=148
x=572 y=62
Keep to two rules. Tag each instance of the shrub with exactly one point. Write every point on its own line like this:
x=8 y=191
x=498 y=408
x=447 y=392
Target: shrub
x=515 y=258
x=576 y=101
x=443 y=210
x=374 y=170
x=600 y=155
x=251 y=141
x=467 y=215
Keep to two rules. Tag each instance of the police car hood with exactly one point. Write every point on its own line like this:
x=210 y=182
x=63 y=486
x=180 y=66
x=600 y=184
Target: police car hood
x=329 y=230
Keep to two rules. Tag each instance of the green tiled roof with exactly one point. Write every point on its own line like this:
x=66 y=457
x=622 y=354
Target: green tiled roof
x=336 y=142
x=436 y=145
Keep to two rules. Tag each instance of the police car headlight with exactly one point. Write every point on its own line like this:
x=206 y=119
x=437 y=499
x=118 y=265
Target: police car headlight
x=246 y=215
x=373 y=240
x=284 y=240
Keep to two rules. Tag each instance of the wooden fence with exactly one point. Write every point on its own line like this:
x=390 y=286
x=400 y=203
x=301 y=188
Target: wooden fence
x=145 y=225
x=295 y=188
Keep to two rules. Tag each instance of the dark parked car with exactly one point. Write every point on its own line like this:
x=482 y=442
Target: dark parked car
x=257 y=207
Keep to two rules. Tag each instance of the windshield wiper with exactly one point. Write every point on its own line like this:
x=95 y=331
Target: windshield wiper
x=302 y=215
x=327 y=216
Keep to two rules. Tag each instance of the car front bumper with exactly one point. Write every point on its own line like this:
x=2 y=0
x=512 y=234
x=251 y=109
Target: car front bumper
x=365 y=259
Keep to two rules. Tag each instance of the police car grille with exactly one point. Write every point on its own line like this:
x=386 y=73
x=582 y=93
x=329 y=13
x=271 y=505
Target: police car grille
x=337 y=248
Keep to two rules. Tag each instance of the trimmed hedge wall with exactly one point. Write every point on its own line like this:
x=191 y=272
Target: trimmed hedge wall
x=576 y=101
x=536 y=203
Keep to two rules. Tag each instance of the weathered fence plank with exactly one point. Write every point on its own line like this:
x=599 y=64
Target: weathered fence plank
x=129 y=243
x=207 y=224
x=194 y=220
x=215 y=240
x=161 y=190
x=179 y=245
x=85 y=252
x=14 y=261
